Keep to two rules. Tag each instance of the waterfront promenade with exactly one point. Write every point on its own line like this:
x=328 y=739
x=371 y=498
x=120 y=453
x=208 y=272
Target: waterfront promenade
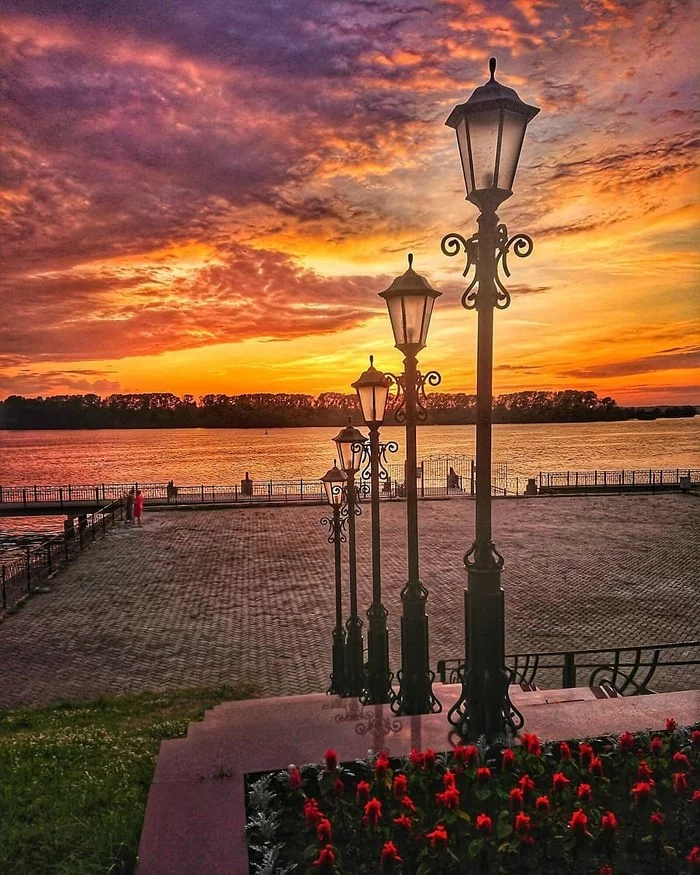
x=246 y=595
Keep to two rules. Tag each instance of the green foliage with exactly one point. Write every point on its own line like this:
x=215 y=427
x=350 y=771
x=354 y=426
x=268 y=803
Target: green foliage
x=74 y=778
x=283 y=409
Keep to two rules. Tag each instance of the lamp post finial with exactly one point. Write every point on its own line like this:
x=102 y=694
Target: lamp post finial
x=410 y=260
x=492 y=68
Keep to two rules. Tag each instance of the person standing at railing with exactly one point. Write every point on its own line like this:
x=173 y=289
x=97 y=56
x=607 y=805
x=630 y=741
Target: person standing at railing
x=138 y=506
x=130 y=500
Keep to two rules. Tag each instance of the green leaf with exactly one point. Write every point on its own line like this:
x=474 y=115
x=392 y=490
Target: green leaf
x=646 y=840
x=464 y=816
x=424 y=868
x=670 y=851
x=503 y=829
x=474 y=849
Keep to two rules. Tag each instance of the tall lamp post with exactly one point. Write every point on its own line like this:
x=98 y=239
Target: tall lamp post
x=490 y=129
x=334 y=485
x=351 y=443
x=372 y=389
x=410 y=299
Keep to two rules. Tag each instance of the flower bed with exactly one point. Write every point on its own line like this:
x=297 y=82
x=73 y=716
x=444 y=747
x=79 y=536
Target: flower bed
x=607 y=805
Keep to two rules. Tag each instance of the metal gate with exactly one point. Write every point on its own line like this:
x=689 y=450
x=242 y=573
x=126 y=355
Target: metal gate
x=443 y=475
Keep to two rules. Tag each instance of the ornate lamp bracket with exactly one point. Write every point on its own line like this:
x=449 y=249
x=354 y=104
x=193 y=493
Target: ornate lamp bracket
x=388 y=447
x=520 y=244
x=431 y=378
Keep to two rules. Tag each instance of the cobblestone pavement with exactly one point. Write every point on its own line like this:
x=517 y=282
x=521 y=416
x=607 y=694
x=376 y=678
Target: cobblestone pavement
x=246 y=595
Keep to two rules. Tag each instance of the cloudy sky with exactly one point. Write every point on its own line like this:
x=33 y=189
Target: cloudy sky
x=207 y=196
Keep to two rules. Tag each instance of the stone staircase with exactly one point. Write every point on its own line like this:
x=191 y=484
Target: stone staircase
x=195 y=817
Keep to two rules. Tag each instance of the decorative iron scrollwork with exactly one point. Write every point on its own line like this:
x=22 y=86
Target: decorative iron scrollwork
x=388 y=447
x=431 y=378
x=483 y=557
x=521 y=244
x=330 y=522
x=458 y=715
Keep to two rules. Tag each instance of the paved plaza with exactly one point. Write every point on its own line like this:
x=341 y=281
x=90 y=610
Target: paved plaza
x=246 y=595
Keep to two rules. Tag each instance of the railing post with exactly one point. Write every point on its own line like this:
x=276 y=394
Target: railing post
x=595 y=481
x=605 y=478
x=269 y=490
x=103 y=491
x=202 y=493
x=24 y=496
x=577 y=479
x=568 y=478
x=69 y=492
x=633 y=473
x=569 y=673
x=4 y=589
x=36 y=498
x=301 y=489
x=97 y=495
x=60 y=496
x=235 y=492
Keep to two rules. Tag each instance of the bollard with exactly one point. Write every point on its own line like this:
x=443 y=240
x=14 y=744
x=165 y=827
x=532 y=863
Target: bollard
x=569 y=674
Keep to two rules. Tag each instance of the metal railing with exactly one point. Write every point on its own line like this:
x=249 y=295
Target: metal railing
x=21 y=576
x=620 y=671
x=557 y=481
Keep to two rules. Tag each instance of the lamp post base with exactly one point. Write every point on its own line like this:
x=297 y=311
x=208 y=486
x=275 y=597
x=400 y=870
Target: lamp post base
x=484 y=708
x=415 y=695
x=338 y=685
x=354 y=665
x=378 y=688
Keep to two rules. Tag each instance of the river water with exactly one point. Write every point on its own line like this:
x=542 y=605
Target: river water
x=222 y=456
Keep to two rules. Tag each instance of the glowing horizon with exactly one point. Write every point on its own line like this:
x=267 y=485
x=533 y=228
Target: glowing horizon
x=209 y=200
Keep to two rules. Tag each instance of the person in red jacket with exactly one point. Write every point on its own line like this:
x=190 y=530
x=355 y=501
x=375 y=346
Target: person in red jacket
x=138 y=507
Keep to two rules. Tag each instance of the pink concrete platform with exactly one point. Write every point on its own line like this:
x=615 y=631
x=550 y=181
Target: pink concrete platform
x=195 y=817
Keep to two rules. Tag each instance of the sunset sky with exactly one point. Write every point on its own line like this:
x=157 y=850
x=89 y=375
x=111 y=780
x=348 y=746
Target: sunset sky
x=207 y=196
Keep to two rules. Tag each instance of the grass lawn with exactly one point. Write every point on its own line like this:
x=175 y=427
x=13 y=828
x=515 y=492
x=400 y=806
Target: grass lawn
x=74 y=778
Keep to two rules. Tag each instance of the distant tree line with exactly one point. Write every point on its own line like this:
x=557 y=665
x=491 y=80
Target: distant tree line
x=267 y=410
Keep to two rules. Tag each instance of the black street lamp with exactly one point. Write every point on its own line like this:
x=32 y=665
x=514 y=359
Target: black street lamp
x=334 y=484
x=372 y=389
x=490 y=129
x=351 y=446
x=410 y=299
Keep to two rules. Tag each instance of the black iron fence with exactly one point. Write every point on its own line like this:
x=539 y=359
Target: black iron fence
x=619 y=671
x=666 y=478
x=21 y=576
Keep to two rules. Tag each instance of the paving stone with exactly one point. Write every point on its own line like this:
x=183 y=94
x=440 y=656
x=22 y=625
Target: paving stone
x=246 y=595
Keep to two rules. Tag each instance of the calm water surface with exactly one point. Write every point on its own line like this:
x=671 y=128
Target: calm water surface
x=222 y=456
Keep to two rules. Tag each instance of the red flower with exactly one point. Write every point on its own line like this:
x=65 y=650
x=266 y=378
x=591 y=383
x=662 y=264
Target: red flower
x=448 y=779
x=373 y=812
x=696 y=797
x=390 y=856
x=579 y=824
x=400 y=786
x=508 y=759
x=448 y=799
x=483 y=775
x=693 y=859
x=522 y=828
x=695 y=738
x=323 y=831
x=605 y=869
x=656 y=746
x=516 y=799
x=559 y=782
x=362 y=791
x=470 y=753
x=338 y=787
x=331 y=758
x=294 y=778
x=527 y=785
x=585 y=754
x=438 y=837
x=404 y=821
x=532 y=743
x=608 y=823
x=597 y=767
x=681 y=761
x=584 y=792
x=429 y=759
x=671 y=724
x=542 y=804
x=680 y=783
x=416 y=759
x=407 y=803
x=381 y=766
x=626 y=741
x=325 y=862
x=312 y=815
x=656 y=820
x=641 y=792
x=564 y=752
x=484 y=824
x=644 y=773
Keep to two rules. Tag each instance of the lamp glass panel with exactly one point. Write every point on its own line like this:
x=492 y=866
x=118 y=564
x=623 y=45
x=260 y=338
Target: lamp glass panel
x=414 y=311
x=368 y=403
x=356 y=454
x=514 y=125
x=429 y=302
x=463 y=144
x=329 y=491
x=396 y=317
x=345 y=454
x=381 y=393
x=483 y=133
